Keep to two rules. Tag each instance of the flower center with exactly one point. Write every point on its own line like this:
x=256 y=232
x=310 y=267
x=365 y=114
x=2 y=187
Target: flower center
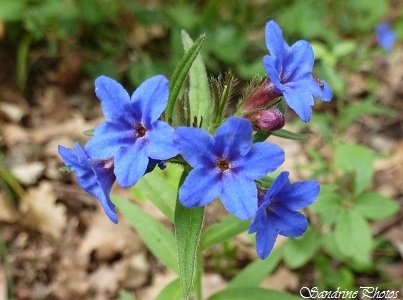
x=223 y=164
x=140 y=131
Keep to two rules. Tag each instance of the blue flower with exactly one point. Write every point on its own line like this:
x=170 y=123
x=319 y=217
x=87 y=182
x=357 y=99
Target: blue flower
x=277 y=214
x=132 y=133
x=385 y=37
x=225 y=165
x=95 y=177
x=289 y=68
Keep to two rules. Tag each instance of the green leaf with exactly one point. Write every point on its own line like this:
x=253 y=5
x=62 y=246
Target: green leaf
x=89 y=132
x=179 y=75
x=11 y=10
x=353 y=236
x=159 y=240
x=188 y=226
x=374 y=206
x=124 y=295
x=283 y=133
x=300 y=250
x=328 y=204
x=252 y=293
x=254 y=273
x=221 y=231
x=160 y=187
x=199 y=92
x=172 y=291
x=359 y=160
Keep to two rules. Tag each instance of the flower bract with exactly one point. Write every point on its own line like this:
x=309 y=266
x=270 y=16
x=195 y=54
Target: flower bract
x=132 y=133
x=225 y=165
x=278 y=212
x=290 y=68
x=95 y=177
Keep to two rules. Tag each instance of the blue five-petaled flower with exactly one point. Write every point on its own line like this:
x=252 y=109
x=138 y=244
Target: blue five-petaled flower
x=385 y=35
x=225 y=165
x=132 y=133
x=278 y=212
x=95 y=177
x=290 y=70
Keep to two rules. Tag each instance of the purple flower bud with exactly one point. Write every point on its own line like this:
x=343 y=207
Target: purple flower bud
x=262 y=97
x=266 y=120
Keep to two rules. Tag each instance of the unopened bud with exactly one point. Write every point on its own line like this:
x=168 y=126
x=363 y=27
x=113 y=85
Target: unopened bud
x=262 y=97
x=266 y=120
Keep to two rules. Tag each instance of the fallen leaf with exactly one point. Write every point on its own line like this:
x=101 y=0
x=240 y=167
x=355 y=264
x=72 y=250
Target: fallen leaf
x=105 y=240
x=40 y=211
x=28 y=173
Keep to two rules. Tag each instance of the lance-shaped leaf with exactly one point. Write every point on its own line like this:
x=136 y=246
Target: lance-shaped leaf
x=199 y=93
x=159 y=240
x=188 y=226
x=179 y=75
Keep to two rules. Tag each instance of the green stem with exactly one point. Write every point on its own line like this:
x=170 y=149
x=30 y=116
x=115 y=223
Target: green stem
x=22 y=60
x=7 y=269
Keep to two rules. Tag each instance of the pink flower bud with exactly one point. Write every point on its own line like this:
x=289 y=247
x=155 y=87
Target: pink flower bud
x=262 y=97
x=266 y=120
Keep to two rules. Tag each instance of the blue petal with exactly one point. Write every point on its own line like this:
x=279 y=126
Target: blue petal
x=274 y=39
x=281 y=182
x=69 y=157
x=320 y=90
x=152 y=98
x=201 y=187
x=299 y=63
x=299 y=195
x=130 y=164
x=287 y=222
x=161 y=145
x=259 y=220
x=239 y=195
x=273 y=71
x=233 y=138
x=300 y=100
x=108 y=138
x=265 y=240
x=114 y=98
x=261 y=159
x=95 y=181
x=195 y=146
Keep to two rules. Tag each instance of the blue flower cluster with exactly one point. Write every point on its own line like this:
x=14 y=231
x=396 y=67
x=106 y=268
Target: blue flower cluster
x=385 y=36
x=228 y=164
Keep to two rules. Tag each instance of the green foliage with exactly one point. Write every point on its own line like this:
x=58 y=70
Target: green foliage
x=253 y=274
x=199 y=93
x=171 y=291
x=358 y=160
x=353 y=236
x=159 y=240
x=162 y=195
x=180 y=73
x=188 y=226
x=299 y=251
x=251 y=293
x=221 y=231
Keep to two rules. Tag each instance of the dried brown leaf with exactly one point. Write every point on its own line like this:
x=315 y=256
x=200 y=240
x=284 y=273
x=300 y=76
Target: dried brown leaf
x=40 y=211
